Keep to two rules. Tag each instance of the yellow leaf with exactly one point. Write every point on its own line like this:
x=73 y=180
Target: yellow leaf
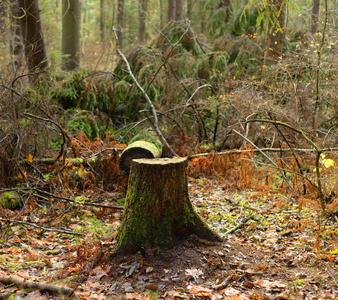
x=30 y=158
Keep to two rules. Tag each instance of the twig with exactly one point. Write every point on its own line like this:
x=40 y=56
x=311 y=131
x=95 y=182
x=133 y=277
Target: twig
x=240 y=224
x=42 y=228
x=158 y=131
x=269 y=159
x=229 y=152
x=61 y=198
x=23 y=283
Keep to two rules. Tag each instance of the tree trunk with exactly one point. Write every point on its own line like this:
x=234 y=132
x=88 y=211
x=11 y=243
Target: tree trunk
x=71 y=21
x=189 y=9
x=315 y=16
x=158 y=211
x=202 y=17
x=16 y=44
x=120 y=21
x=275 y=38
x=102 y=31
x=171 y=10
x=160 y=13
x=178 y=10
x=141 y=31
x=32 y=35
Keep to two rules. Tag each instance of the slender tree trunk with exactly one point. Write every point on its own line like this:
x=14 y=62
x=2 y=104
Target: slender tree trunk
x=275 y=38
x=315 y=16
x=16 y=43
x=141 y=32
x=160 y=13
x=102 y=15
x=171 y=10
x=120 y=21
x=202 y=16
x=178 y=10
x=31 y=29
x=189 y=9
x=71 y=23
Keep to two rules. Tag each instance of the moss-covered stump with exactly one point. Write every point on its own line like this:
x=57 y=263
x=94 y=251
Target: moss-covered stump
x=10 y=200
x=144 y=145
x=157 y=210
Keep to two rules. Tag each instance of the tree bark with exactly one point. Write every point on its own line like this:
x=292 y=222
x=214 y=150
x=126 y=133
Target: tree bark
x=16 y=44
x=171 y=10
x=102 y=15
x=275 y=38
x=71 y=23
x=189 y=9
x=160 y=14
x=35 y=51
x=141 y=31
x=178 y=10
x=315 y=16
x=120 y=21
x=158 y=211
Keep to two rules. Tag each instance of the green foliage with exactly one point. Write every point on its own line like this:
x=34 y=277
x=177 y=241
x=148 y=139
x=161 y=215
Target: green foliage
x=84 y=121
x=86 y=91
x=268 y=11
x=245 y=22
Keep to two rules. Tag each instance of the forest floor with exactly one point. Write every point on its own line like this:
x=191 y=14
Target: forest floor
x=271 y=256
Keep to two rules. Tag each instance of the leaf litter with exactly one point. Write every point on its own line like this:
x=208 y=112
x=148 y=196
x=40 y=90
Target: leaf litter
x=272 y=255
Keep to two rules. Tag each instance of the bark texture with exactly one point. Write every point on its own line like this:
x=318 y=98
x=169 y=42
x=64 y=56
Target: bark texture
x=158 y=211
x=71 y=19
x=179 y=10
x=171 y=10
x=34 y=44
x=120 y=21
x=315 y=16
x=141 y=31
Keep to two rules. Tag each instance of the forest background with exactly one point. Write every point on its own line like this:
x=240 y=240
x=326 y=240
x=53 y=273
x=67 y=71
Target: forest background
x=253 y=80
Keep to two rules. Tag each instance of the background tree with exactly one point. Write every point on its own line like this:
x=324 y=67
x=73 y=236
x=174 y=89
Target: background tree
x=102 y=21
x=315 y=16
x=71 y=20
x=171 y=10
x=141 y=32
x=16 y=43
x=275 y=31
x=178 y=10
x=120 y=21
x=32 y=35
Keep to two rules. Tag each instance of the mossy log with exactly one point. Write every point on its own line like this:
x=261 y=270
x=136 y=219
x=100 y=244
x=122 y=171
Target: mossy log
x=10 y=200
x=143 y=145
x=157 y=210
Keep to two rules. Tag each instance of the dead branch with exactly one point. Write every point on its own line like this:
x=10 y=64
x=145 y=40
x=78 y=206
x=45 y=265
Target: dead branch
x=61 y=198
x=40 y=227
x=157 y=129
x=232 y=230
x=23 y=283
x=229 y=152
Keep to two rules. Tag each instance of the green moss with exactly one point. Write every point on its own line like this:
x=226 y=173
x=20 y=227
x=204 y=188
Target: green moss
x=10 y=200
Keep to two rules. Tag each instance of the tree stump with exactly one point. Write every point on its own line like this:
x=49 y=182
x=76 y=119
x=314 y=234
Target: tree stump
x=157 y=210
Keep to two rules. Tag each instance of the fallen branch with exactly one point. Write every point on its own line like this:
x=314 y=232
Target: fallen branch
x=42 y=228
x=61 y=198
x=23 y=283
x=229 y=152
x=232 y=230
